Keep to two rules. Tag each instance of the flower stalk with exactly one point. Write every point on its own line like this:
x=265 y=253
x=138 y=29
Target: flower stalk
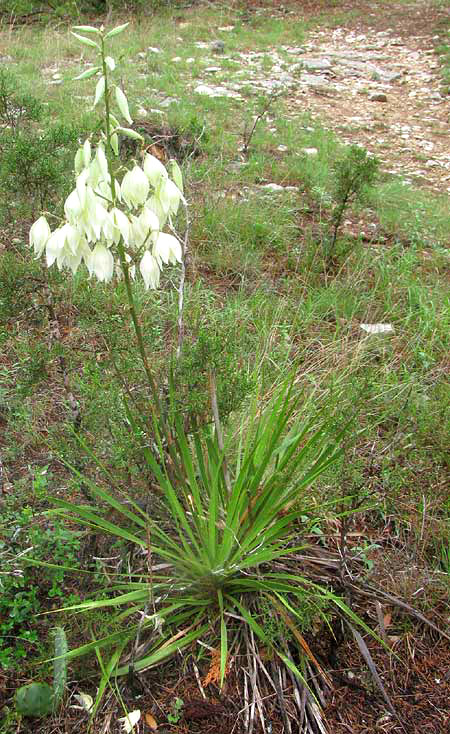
x=114 y=224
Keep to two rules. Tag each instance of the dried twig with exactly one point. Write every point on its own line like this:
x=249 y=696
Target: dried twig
x=198 y=679
x=248 y=134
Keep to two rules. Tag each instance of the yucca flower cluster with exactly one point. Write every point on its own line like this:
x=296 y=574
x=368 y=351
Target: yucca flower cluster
x=112 y=223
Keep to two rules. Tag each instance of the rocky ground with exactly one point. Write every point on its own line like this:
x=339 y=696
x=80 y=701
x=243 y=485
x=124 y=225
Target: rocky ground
x=374 y=88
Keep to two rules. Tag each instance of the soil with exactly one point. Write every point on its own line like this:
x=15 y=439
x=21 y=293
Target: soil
x=409 y=132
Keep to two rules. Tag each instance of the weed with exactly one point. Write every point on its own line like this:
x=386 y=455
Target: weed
x=17 y=107
x=176 y=711
x=34 y=165
x=354 y=172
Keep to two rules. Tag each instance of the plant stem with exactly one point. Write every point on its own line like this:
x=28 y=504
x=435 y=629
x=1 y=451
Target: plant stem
x=123 y=263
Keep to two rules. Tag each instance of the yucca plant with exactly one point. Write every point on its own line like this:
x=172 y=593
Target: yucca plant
x=228 y=547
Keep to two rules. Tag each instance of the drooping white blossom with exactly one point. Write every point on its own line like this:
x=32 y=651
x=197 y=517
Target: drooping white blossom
x=102 y=263
x=135 y=187
x=149 y=270
x=135 y=216
x=167 y=248
x=154 y=169
x=39 y=234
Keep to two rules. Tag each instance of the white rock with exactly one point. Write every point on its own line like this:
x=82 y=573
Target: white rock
x=56 y=76
x=154 y=50
x=142 y=55
x=310 y=151
x=213 y=69
x=377 y=328
x=142 y=112
x=216 y=91
x=282 y=148
x=273 y=187
x=176 y=59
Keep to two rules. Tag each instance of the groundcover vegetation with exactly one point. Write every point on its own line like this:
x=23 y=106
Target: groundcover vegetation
x=223 y=405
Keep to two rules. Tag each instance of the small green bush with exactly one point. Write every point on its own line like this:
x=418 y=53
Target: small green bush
x=34 y=165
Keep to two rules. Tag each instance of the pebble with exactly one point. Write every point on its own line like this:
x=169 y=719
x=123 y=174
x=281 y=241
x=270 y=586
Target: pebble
x=216 y=91
x=316 y=64
x=154 y=50
x=310 y=151
x=218 y=47
x=273 y=187
x=377 y=97
x=168 y=101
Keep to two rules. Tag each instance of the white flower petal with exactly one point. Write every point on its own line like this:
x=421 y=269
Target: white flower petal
x=170 y=196
x=102 y=263
x=154 y=205
x=39 y=234
x=85 y=700
x=129 y=721
x=86 y=153
x=122 y=223
x=135 y=187
x=167 y=248
x=54 y=246
x=72 y=207
x=149 y=270
x=154 y=169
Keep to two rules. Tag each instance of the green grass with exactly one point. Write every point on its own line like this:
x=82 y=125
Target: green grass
x=257 y=285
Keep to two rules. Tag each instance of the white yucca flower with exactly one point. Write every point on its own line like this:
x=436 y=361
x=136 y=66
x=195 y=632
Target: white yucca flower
x=169 y=196
x=154 y=169
x=167 y=249
x=155 y=206
x=135 y=187
x=148 y=222
x=101 y=263
x=149 y=270
x=39 y=234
